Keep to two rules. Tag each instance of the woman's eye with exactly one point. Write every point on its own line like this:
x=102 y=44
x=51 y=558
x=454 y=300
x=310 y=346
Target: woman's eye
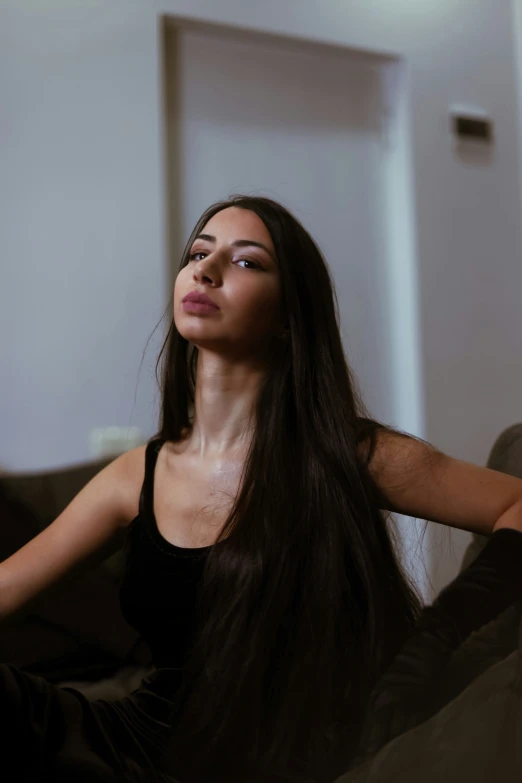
x=199 y=254
x=247 y=261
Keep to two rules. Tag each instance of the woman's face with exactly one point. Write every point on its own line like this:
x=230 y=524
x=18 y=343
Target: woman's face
x=233 y=263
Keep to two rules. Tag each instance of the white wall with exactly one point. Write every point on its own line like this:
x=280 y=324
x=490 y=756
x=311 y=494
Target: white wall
x=81 y=225
x=82 y=255
x=517 y=32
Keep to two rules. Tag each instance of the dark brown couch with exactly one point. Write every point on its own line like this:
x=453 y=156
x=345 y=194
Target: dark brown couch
x=74 y=634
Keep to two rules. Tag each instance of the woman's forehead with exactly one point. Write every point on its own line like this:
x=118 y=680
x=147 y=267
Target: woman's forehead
x=237 y=223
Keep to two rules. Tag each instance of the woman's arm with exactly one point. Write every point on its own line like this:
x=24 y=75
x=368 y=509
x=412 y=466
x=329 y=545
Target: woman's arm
x=420 y=481
x=91 y=523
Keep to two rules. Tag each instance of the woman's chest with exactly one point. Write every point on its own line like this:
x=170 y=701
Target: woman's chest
x=192 y=499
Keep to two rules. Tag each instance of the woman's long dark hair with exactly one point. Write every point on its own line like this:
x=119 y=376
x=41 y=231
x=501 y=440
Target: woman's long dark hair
x=303 y=602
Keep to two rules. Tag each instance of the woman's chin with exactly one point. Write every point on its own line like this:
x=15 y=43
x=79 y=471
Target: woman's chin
x=202 y=342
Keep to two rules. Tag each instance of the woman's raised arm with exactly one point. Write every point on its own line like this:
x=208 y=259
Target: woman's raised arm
x=420 y=481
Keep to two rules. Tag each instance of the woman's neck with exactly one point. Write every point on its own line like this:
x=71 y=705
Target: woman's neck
x=225 y=397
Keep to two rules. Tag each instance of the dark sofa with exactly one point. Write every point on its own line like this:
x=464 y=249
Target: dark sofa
x=74 y=634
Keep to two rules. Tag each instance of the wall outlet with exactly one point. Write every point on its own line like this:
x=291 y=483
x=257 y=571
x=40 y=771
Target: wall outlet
x=112 y=441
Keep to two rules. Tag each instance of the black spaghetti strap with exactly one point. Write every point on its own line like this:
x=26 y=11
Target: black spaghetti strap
x=146 y=496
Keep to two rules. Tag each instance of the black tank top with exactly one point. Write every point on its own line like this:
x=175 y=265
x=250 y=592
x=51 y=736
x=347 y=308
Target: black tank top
x=160 y=582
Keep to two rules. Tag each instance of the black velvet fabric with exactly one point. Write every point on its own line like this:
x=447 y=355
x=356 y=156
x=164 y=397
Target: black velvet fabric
x=55 y=735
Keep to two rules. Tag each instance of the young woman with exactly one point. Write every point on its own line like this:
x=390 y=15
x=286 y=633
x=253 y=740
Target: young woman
x=260 y=568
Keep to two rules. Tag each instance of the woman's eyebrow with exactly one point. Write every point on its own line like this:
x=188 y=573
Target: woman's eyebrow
x=239 y=243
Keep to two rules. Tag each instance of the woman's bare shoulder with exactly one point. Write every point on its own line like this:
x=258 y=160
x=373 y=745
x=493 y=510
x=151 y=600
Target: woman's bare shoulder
x=133 y=472
x=133 y=469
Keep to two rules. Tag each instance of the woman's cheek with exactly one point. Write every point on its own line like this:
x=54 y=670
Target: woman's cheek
x=259 y=308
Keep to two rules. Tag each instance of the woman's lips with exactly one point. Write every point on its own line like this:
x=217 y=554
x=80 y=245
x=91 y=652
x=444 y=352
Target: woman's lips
x=201 y=308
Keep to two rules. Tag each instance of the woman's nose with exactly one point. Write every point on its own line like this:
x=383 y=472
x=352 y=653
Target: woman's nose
x=207 y=269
